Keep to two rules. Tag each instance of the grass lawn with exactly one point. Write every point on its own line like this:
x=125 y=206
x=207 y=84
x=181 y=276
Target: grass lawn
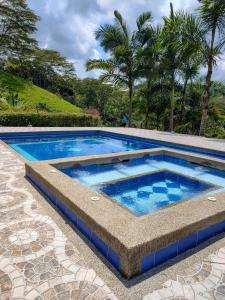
x=31 y=95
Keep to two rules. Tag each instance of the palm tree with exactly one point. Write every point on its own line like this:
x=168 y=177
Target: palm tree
x=121 y=45
x=212 y=14
x=192 y=44
x=171 y=58
x=182 y=38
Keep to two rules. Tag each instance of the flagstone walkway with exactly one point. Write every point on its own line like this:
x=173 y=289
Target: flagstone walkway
x=37 y=261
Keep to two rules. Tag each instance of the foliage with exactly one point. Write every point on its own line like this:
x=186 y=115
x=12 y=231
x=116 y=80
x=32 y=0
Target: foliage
x=216 y=130
x=46 y=69
x=109 y=101
x=184 y=128
x=122 y=67
x=17 y=24
x=31 y=96
x=212 y=14
x=47 y=119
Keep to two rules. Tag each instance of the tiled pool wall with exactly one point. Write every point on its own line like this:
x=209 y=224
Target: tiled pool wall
x=156 y=258
x=144 y=263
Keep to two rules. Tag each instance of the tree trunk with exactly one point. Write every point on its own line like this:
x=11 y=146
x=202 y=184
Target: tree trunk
x=205 y=99
x=130 y=104
x=183 y=101
x=172 y=106
x=146 y=118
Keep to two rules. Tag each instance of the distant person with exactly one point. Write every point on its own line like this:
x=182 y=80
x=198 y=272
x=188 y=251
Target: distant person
x=124 y=121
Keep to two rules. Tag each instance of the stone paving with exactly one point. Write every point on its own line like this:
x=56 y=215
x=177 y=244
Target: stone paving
x=37 y=260
x=204 y=281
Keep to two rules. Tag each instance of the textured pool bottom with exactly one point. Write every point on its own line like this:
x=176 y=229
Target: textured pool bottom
x=148 y=261
x=147 y=193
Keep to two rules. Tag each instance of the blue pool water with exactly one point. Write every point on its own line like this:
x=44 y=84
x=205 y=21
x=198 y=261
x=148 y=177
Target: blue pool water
x=52 y=148
x=44 y=146
x=149 y=192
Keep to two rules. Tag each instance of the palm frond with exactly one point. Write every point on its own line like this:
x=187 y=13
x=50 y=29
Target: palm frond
x=121 y=24
x=109 y=37
x=100 y=64
x=144 y=18
x=212 y=13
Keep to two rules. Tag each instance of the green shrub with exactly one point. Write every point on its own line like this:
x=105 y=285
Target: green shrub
x=215 y=131
x=47 y=119
x=184 y=128
x=4 y=106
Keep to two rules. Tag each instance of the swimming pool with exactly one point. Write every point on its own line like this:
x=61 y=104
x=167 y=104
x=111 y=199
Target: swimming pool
x=47 y=146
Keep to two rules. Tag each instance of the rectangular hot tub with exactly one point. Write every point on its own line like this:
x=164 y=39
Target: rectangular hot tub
x=138 y=209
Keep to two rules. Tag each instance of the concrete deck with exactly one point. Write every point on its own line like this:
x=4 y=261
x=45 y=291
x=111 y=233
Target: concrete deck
x=41 y=257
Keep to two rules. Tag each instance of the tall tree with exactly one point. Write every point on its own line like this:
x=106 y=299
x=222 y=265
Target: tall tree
x=122 y=66
x=192 y=43
x=149 y=68
x=212 y=13
x=171 y=58
x=17 y=24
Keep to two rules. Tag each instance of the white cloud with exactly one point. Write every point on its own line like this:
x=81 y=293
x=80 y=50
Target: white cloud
x=68 y=25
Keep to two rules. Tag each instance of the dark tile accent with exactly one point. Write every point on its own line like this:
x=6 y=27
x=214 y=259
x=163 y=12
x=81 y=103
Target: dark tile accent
x=187 y=243
x=148 y=262
x=84 y=229
x=210 y=231
x=166 y=253
x=114 y=258
x=99 y=244
x=67 y=212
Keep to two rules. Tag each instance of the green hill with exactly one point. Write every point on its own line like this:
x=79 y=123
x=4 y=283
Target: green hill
x=31 y=96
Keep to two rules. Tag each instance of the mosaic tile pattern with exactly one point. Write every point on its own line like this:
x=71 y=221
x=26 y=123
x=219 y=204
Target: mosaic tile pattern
x=203 y=281
x=37 y=261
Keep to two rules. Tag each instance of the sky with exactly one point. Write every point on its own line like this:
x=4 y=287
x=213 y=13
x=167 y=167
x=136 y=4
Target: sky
x=68 y=26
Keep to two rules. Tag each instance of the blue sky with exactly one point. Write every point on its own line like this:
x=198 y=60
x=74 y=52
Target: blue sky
x=68 y=25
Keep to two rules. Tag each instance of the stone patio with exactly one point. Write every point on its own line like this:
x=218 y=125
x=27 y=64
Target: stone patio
x=37 y=261
x=42 y=257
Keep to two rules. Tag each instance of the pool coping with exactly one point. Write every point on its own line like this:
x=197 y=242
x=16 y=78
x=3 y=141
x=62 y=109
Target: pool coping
x=129 y=236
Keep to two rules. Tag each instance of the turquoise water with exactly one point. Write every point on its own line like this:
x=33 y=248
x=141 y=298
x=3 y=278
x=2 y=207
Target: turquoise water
x=149 y=192
x=53 y=148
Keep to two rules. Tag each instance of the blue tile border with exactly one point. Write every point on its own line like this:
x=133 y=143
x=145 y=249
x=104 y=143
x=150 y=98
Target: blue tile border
x=148 y=261
x=154 y=259
x=112 y=256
